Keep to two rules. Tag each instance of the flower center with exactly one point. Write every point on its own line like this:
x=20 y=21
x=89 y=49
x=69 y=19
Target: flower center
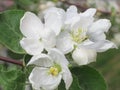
x=79 y=35
x=54 y=70
x=40 y=39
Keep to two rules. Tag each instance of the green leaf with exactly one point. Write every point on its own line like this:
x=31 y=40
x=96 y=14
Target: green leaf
x=61 y=86
x=85 y=78
x=74 y=86
x=15 y=56
x=27 y=59
x=12 y=79
x=89 y=78
x=10 y=34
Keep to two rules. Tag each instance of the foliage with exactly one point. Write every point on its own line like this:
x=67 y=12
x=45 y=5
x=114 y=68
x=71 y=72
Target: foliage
x=12 y=78
x=86 y=78
x=10 y=34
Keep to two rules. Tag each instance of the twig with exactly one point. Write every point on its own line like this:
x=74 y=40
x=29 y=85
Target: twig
x=83 y=8
x=11 y=61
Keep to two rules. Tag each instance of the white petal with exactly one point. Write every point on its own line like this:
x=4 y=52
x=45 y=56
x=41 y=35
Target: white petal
x=71 y=12
x=89 y=12
x=86 y=43
x=49 y=39
x=97 y=36
x=54 y=18
x=85 y=19
x=31 y=25
x=51 y=82
x=84 y=22
x=105 y=46
x=32 y=46
x=99 y=46
x=35 y=77
x=91 y=54
x=40 y=78
x=71 y=15
x=80 y=56
x=58 y=56
x=97 y=29
x=102 y=25
x=41 y=60
x=67 y=77
x=84 y=56
x=64 y=43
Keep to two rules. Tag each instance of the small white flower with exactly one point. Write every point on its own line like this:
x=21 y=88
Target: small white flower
x=37 y=35
x=83 y=36
x=49 y=71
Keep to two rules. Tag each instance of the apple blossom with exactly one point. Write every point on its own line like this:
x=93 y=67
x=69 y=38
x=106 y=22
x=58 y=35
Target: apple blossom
x=39 y=36
x=49 y=71
x=83 y=36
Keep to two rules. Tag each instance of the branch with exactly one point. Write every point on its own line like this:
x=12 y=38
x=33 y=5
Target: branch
x=11 y=61
x=84 y=8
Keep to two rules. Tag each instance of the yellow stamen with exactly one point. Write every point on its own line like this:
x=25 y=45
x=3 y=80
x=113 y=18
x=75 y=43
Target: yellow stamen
x=54 y=71
x=78 y=36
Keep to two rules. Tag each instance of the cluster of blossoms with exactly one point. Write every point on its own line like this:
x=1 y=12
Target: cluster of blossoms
x=61 y=33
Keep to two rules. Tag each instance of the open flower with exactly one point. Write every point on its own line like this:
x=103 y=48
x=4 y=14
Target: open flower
x=83 y=36
x=39 y=36
x=49 y=71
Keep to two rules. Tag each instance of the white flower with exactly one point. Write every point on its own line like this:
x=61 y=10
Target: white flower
x=83 y=36
x=49 y=71
x=37 y=35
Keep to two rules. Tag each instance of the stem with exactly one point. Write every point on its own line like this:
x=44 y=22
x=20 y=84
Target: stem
x=11 y=61
x=84 y=8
